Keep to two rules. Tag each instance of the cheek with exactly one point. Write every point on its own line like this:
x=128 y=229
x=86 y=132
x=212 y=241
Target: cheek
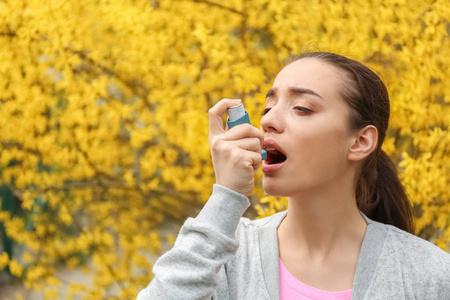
x=326 y=144
x=324 y=151
x=323 y=138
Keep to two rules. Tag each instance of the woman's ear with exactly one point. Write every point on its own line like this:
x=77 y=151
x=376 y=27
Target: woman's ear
x=363 y=142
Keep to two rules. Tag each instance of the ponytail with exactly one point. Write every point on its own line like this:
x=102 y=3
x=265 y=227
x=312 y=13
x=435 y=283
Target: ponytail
x=381 y=195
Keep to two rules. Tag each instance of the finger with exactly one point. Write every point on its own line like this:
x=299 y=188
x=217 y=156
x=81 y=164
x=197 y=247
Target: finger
x=255 y=160
x=244 y=131
x=215 y=115
x=249 y=144
x=250 y=159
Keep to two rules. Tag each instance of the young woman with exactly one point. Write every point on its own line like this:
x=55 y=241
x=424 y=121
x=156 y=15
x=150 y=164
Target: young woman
x=345 y=234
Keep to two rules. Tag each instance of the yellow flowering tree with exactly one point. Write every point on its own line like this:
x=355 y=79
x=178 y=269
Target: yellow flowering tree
x=103 y=128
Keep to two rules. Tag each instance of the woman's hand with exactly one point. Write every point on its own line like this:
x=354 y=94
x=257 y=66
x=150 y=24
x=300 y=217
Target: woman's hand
x=236 y=153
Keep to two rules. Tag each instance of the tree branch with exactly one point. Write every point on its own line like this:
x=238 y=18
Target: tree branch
x=230 y=9
x=138 y=88
x=12 y=144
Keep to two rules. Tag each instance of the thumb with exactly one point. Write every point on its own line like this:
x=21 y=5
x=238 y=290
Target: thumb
x=215 y=115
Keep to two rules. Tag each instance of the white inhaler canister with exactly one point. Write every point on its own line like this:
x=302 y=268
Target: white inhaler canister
x=238 y=115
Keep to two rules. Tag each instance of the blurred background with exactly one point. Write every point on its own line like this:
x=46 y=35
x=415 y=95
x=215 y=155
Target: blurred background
x=104 y=128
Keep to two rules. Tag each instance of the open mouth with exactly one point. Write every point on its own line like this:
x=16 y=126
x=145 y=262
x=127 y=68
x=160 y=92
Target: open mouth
x=275 y=157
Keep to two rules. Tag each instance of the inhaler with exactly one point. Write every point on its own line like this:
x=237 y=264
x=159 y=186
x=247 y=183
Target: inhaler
x=238 y=115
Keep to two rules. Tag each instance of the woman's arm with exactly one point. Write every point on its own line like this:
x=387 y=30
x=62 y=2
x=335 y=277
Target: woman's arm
x=206 y=243
x=203 y=246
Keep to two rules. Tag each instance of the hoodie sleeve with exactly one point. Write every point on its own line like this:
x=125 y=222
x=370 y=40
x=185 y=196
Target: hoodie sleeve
x=190 y=269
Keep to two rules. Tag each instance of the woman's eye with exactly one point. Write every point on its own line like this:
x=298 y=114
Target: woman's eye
x=265 y=111
x=298 y=108
x=303 y=109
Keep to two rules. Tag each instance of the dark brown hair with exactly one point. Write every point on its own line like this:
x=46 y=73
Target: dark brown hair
x=380 y=194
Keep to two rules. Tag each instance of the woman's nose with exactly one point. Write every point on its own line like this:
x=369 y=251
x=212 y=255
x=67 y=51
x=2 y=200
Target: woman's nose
x=273 y=120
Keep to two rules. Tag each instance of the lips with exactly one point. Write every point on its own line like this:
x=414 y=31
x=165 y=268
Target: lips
x=276 y=156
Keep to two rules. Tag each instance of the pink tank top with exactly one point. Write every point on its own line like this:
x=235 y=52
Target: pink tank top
x=292 y=288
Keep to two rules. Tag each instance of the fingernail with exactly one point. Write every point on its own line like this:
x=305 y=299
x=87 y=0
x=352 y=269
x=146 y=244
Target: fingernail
x=237 y=100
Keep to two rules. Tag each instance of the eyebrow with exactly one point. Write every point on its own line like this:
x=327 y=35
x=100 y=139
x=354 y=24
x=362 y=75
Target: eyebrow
x=294 y=90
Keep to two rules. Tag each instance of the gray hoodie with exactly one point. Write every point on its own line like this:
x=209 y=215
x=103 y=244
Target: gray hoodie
x=220 y=255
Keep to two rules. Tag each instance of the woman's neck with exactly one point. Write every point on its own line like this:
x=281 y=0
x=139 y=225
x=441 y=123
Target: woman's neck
x=317 y=223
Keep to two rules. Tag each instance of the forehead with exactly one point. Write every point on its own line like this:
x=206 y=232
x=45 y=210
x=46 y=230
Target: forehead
x=310 y=73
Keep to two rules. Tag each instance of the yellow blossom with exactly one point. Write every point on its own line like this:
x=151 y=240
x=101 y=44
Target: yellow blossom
x=4 y=260
x=104 y=124
x=15 y=268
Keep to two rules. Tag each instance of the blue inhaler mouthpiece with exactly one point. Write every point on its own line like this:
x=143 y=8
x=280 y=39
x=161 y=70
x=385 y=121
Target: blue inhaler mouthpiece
x=238 y=115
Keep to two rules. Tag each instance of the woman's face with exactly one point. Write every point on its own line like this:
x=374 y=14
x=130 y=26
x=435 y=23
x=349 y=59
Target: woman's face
x=307 y=117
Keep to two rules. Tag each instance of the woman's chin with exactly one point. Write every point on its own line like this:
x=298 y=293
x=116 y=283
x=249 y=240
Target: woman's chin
x=271 y=188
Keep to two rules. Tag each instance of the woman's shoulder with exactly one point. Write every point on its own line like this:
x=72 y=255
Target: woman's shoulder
x=418 y=246
x=414 y=252
x=272 y=221
x=264 y=230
